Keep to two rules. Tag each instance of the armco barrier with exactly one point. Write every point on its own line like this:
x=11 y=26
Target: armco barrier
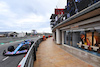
x=30 y=57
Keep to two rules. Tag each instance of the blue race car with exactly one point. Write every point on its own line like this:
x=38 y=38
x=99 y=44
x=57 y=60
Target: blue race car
x=21 y=48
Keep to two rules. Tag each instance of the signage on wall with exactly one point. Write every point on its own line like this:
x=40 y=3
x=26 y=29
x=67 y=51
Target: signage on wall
x=74 y=27
x=59 y=11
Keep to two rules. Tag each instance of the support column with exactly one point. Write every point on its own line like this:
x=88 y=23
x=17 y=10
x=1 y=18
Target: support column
x=58 y=36
x=54 y=35
x=62 y=37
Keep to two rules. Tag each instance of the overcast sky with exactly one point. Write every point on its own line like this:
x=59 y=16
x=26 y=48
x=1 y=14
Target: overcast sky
x=26 y=15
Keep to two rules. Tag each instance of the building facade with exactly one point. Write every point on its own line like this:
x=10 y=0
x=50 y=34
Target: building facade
x=79 y=27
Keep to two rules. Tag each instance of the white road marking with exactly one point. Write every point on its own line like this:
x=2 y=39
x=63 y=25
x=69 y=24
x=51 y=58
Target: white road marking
x=5 y=58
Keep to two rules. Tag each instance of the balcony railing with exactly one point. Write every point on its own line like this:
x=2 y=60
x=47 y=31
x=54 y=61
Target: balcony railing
x=91 y=6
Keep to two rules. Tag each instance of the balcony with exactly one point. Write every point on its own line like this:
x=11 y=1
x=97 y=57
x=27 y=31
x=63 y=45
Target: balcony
x=87 y=13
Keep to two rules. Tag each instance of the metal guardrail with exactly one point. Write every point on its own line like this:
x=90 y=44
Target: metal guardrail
x=30 y=57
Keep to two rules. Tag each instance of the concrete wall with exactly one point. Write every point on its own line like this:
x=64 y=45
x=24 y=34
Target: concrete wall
x=69 y=39
x=62 y=37
x=54 y=36
x=85 y=56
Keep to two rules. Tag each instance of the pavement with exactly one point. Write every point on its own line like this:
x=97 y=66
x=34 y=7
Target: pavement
x=50 y=55
x=11 y=61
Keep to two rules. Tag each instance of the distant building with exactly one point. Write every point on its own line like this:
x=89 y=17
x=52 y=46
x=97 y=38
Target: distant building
x=21 y=34
x=4 y=34
x=12 y=34
x=33 y=32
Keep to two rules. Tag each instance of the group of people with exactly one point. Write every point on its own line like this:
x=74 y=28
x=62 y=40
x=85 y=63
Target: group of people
x=74 y=6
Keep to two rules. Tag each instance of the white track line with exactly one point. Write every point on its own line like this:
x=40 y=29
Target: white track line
x=5 y=58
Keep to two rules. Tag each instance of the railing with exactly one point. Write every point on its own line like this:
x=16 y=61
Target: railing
x=75 y=15
x=60 y=19
x=30 y=57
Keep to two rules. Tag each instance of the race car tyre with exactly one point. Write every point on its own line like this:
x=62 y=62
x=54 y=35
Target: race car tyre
x=11 y=48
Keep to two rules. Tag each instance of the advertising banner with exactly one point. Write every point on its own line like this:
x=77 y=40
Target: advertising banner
x=59 y=11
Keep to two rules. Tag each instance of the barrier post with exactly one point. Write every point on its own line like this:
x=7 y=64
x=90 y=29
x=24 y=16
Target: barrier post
x=34 y=53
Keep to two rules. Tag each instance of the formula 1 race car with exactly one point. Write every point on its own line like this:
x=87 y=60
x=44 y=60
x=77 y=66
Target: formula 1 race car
x=21 y=48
